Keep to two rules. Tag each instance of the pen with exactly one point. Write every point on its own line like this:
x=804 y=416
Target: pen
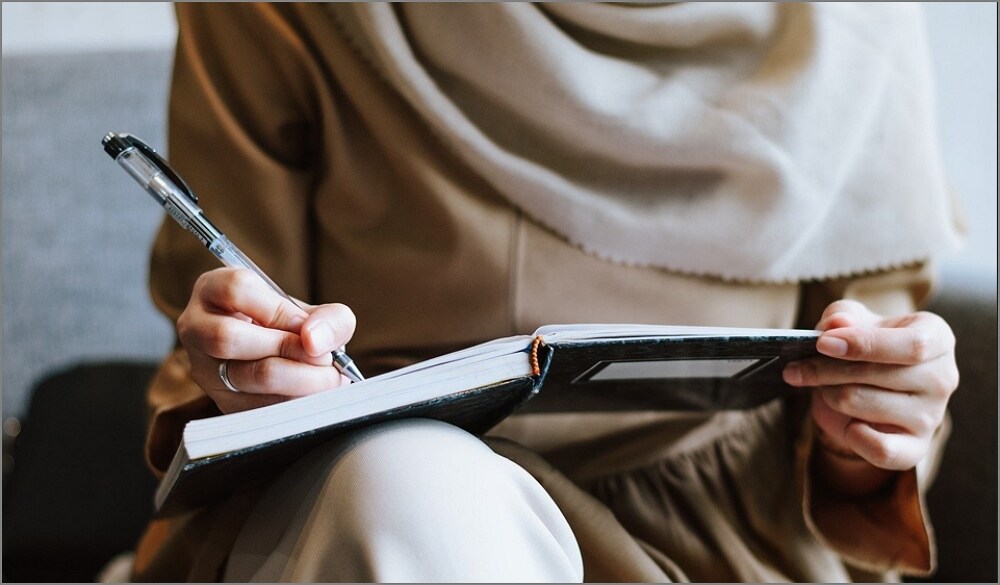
x=168 y=189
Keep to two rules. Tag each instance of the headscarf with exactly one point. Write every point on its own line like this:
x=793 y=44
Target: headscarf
x=747 y=141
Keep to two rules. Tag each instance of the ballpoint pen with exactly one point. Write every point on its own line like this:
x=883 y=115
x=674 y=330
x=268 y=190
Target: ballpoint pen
x=153 y=173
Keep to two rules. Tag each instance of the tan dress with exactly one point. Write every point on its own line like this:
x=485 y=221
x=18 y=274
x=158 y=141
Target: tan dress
x=326 y=179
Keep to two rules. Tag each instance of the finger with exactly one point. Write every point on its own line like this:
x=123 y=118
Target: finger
x=205 y=372
x=917 y=319
x=912 y=413
x=834 y=423
x=888 y=450
x=905 y=345
x=226 y=337
x=238 y=401
x=827 y=419
x=239 y=290
x=881 y=445
x=283 y=377
x=937 y=378
x=329 y=327
x=846 y=313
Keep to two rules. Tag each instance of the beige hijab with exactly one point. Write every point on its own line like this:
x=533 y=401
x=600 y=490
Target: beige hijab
x=755 y=142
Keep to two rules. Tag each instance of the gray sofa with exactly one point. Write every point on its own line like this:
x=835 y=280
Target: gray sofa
x=79 y=331
x=80 y=336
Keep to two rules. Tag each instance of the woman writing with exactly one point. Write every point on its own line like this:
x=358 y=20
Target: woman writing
x=430 y=177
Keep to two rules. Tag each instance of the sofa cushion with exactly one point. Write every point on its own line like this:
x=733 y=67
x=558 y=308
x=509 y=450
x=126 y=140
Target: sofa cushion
x=79 y=492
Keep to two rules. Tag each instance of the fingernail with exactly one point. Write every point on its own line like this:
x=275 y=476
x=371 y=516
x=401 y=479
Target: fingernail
x=322 y=335
x=793 y=374
x=832 y=346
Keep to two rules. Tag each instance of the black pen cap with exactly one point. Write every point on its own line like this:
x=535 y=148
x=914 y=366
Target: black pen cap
x=115 y=143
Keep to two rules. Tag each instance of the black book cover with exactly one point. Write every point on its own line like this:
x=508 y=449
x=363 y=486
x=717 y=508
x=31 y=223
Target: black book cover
x=747 y=373
x=204 y=481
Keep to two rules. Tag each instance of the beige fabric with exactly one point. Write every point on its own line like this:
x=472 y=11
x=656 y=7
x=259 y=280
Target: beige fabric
x=717 y=139
x=336 y=187
x=406 y=501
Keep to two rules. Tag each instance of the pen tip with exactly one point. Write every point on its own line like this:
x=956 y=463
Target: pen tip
x=351 y=371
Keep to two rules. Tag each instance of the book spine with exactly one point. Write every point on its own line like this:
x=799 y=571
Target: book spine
x=541 y=359
x=536 y=370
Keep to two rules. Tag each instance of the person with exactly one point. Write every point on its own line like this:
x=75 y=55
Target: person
x=428 y=176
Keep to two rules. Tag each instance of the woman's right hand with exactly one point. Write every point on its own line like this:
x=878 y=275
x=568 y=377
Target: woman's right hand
x=276 y=350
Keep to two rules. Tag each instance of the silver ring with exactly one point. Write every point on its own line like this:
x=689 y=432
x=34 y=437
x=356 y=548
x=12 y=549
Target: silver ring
x=224 y=376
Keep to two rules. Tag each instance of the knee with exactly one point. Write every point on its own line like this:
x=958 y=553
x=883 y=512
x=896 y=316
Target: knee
x=421 y=500
x=421 y=497
x=412 y=462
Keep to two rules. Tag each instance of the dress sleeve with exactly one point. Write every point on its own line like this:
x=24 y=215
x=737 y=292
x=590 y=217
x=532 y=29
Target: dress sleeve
x=242 y=132
x=888 y=530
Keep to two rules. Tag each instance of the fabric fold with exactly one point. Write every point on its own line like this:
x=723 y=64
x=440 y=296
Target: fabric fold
x=739 y=141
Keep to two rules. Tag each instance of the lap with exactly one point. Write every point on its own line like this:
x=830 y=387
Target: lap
x=407 y=500
x=427 y=484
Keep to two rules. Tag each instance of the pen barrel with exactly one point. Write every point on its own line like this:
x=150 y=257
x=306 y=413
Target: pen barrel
x=143 y=170
x=175 y=202
x=233 y=257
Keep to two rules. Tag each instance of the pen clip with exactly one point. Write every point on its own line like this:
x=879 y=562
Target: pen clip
x=160 y=163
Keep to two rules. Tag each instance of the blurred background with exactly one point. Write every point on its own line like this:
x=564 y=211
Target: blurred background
x=76 y=230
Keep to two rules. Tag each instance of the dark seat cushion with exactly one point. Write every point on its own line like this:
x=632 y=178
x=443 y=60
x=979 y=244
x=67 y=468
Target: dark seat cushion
x=79 y=492
x=963 y=500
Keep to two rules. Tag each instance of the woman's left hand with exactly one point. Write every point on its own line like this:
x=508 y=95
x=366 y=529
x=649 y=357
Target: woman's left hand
x=885 y=392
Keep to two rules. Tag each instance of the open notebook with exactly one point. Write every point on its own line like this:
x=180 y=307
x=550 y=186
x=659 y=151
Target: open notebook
x=559 y=368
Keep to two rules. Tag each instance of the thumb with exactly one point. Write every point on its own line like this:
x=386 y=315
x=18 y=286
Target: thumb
x=847 y=313
x=328 y=327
